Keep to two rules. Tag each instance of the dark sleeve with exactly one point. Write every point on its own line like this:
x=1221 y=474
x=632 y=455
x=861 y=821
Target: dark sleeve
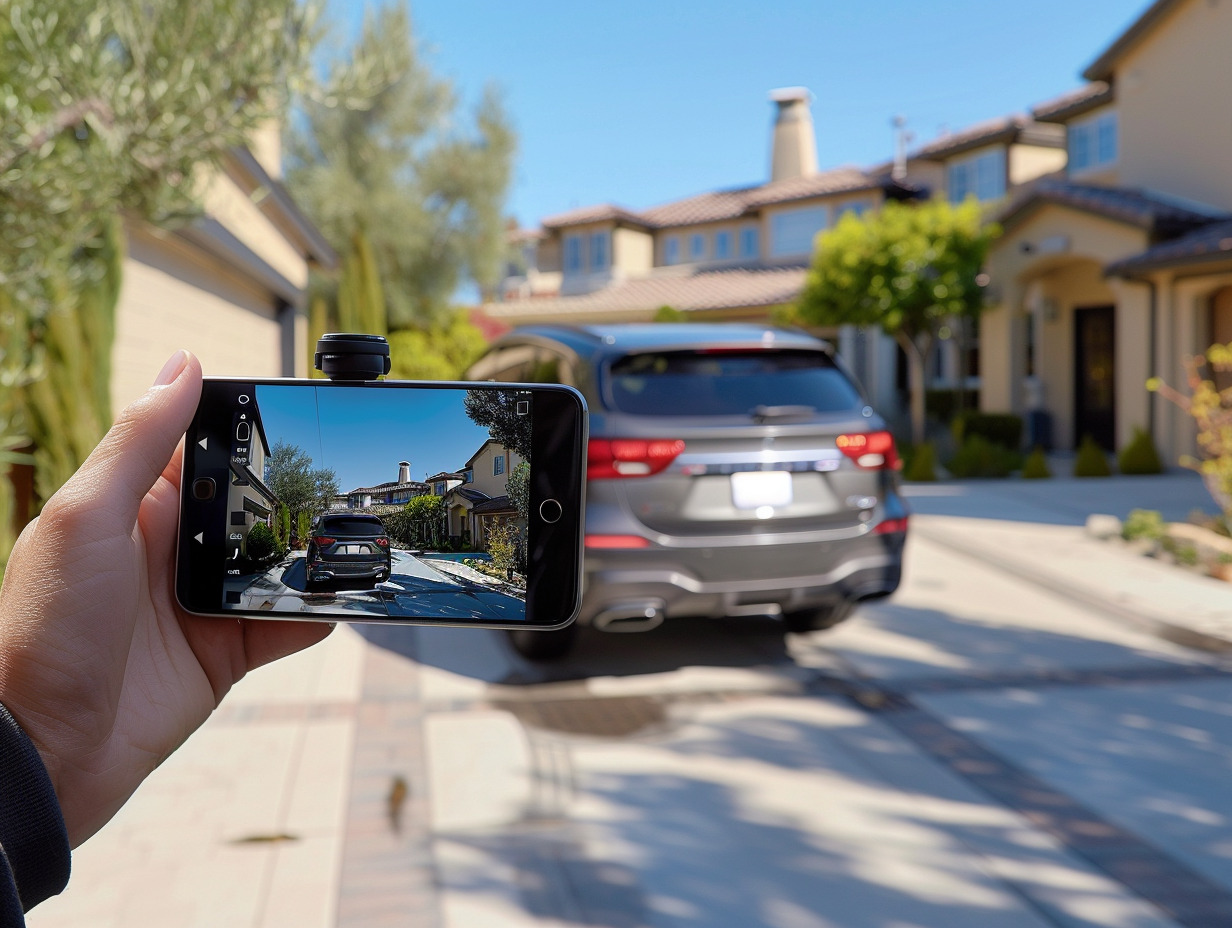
x=34 y=851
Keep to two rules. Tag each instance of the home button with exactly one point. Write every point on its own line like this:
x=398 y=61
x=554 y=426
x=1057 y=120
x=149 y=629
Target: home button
x=550 y=511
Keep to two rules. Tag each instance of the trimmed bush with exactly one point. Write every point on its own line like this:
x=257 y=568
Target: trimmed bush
x=1143 y=523
x=1004 y=429
x=1091 y=460
x=979 y=457
x=921 y=466
x=261 y=544
x=1140 y=456
x=1035 y=467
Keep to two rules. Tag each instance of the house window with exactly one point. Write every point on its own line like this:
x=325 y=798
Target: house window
x=750 y=242
x=573 y=254
x=498 y=465
x=697 y=246
x=671 y=250
x=599 y=251
x=1093 y=142
x=722 y=245
x=857 y=209
x=792 y=231
x=980 y=176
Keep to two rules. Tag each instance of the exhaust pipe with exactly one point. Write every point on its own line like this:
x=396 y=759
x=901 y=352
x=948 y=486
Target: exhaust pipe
x=630 y=617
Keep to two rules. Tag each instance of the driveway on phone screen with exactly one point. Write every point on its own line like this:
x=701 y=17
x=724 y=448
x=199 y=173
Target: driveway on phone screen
x=417 y=587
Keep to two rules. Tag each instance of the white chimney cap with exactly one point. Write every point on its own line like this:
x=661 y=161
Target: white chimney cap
x=791 y=94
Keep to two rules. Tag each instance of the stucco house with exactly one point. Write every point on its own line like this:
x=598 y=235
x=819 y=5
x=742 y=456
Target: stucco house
x=478 y=505
x=739 y=254
x=230 y=287
x=1119 y=269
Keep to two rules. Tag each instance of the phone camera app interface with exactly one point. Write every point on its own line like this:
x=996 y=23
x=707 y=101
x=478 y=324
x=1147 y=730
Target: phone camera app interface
x=402 y=503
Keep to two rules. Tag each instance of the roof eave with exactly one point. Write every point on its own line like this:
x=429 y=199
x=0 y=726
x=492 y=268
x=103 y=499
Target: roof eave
x=1102 y=68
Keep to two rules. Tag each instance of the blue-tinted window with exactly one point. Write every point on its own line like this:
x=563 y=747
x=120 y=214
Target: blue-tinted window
x=671 y=250
x=599 y=250
x=722 y=245
x=792 y=232
x=750 y=242
x=981 y=176
x=573 y=254
x=1093 y=142
x=697 y=246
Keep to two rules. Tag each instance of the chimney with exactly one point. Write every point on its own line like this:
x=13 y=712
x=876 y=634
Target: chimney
x=404 y=471
x=793 y=150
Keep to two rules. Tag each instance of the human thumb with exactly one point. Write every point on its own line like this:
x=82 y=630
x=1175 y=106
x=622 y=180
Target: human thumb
x=131 y=456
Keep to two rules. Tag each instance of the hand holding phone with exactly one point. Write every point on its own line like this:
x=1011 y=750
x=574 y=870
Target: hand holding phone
x=417 y=503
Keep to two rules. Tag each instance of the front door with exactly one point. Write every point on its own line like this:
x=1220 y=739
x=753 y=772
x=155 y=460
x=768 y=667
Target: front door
x=1094 y=375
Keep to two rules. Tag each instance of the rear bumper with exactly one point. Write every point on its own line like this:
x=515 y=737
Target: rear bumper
x=740 y=581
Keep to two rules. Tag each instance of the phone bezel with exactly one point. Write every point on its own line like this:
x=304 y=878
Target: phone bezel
x=554 y=550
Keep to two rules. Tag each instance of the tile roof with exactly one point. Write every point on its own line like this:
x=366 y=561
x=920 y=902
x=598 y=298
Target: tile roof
x=718 y=205
x=1135 y=207
x=1074 y=103
x=729 y=288
x=1210 y=243
x=1015 y=128
x=602 y=212
x=495 y=504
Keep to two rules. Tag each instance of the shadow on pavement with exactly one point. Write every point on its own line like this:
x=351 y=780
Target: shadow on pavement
x=487 y=655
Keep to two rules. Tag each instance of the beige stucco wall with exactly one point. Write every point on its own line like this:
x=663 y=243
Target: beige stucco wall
x=235 y=209
x=174 y=297
x=1172 y=89
x=1051 y=286
x=632 y=252
x=1027 y=162
x=484 y=480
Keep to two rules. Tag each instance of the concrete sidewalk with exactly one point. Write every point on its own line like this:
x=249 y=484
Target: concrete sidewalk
x=285 y=808
x=1034 y=530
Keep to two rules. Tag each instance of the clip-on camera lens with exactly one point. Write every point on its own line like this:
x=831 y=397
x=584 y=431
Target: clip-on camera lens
x=348 y=356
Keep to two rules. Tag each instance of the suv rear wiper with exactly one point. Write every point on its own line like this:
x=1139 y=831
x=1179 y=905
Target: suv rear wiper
x=763 y=414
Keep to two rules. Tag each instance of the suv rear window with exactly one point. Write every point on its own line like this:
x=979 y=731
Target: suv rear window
x=350 y=525
x=728 y=383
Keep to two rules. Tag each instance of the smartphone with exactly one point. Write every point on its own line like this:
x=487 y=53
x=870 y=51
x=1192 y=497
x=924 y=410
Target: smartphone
x=384 y=501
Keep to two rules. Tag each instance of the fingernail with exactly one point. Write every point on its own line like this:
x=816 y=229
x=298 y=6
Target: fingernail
x=172 y=369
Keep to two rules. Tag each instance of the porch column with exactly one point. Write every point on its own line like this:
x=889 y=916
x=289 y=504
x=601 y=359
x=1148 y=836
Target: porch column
x=1002 y=352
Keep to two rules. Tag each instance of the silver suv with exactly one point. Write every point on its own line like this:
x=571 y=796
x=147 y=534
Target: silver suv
x=732 y=470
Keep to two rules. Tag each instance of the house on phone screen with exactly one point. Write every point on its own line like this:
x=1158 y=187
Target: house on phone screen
x=249 y=500
x=481 y=504
x=1113 y=273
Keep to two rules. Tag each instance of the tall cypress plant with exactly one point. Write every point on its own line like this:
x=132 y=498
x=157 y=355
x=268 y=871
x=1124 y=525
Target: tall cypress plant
x=67 y=410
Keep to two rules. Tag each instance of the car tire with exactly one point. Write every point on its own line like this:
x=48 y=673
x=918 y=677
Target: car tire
x=819 y=617
x=538 y=645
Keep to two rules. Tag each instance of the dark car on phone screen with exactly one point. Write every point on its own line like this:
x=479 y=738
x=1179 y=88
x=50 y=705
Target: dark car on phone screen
x=732 y=470
x=347 y=548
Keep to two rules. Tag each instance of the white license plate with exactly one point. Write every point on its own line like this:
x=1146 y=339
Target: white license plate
x=754 y=489
x=354 y=549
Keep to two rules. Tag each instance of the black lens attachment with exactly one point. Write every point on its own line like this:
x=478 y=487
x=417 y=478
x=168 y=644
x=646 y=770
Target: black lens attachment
x=343 y=356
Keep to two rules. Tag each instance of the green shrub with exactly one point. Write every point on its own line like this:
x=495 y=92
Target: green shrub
x=1143 y=523
x=1091 y=460
x=1140 y=456
x=921 y=465
x=943 y=405
x=979 y=457
x=262 y=545
x=1004 y=429
x=1035 y=467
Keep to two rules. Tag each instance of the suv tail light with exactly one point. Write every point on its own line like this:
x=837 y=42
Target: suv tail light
x=323 y=542
x=870 y=450
x=629 y=457
x=383 y=542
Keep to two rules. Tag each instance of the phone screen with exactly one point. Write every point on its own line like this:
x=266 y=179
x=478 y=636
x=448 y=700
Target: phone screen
x=384 y=501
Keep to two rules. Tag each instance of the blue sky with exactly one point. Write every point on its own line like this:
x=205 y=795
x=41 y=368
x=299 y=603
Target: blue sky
x=642 y=102
x=362 y=433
